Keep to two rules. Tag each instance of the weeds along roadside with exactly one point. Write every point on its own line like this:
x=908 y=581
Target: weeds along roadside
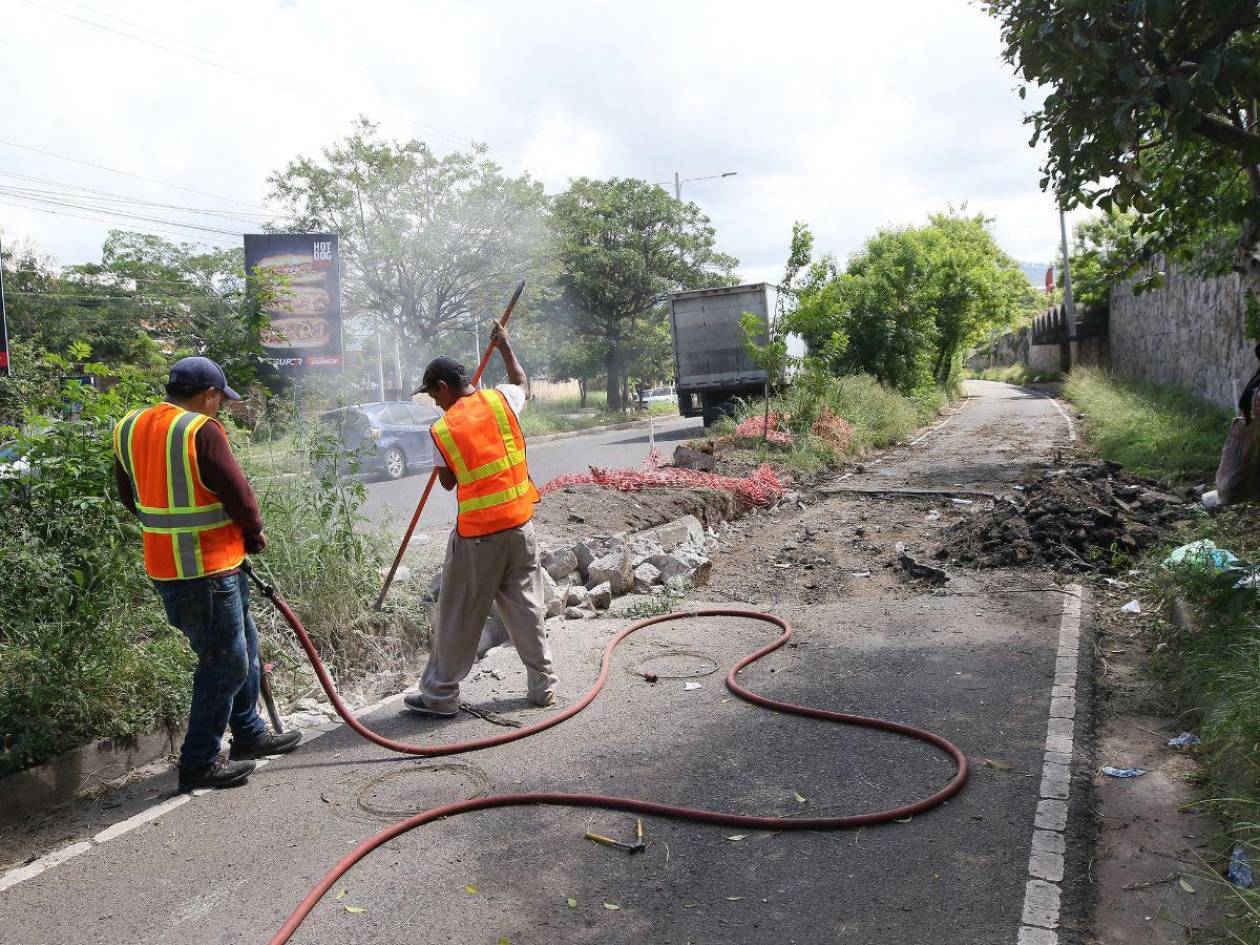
x=1211 y=669
x=85 y=648
x=875 y=414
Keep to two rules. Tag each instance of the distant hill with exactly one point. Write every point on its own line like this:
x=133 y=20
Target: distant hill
x=1036 y=273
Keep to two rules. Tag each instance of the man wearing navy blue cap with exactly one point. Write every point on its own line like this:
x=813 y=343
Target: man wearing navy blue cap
x=177 y=475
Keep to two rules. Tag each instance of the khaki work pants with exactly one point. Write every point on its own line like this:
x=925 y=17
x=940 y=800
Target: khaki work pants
x=500 y=569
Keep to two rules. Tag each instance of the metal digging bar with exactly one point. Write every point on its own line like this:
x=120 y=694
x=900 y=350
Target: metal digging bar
x=424 y=497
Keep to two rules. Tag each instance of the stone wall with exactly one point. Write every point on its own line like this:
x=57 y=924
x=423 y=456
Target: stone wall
x=1189 y=334
x=1008 y=349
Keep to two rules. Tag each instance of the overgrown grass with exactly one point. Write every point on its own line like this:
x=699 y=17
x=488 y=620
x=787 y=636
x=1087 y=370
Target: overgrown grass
x=1151 y=430
x=878 y=416
x=1016 y=374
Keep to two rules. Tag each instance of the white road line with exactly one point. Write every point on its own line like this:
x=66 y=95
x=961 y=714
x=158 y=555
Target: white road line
x=1042 y=894
x=924 y=436
x=1063 y=413
x=151 y=813
x=31 y=870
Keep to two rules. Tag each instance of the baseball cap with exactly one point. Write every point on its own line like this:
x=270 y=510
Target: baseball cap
x=442 y=369
x=201 y=373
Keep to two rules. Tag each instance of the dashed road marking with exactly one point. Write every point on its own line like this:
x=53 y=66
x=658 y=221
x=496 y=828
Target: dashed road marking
x=1042 y=894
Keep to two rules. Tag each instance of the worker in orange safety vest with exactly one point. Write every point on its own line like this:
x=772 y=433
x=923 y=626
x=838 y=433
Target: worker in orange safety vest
x=198 y=516
x=492 y=553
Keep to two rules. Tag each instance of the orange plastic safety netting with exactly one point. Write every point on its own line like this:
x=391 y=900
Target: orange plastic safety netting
x=761 y=487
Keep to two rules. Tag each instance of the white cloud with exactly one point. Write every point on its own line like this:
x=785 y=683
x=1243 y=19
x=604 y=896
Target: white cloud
x=849 y=116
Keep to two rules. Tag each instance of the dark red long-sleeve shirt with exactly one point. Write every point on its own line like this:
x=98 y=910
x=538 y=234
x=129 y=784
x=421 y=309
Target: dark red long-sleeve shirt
x=222 y=475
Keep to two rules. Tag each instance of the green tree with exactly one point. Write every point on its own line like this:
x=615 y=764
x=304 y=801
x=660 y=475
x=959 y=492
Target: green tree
x=911 y=301
x=622 y=244
x=428 y=243
x=1151 y=108
x=1104 y=250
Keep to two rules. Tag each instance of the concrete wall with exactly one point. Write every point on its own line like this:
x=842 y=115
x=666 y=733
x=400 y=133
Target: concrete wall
x=1188 y=334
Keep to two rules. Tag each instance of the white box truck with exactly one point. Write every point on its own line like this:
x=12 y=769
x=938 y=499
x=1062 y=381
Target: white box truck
x=711 y=361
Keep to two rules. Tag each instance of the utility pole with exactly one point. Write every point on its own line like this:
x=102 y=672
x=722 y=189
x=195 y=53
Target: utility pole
x=677 y=187
x=397 y=363
x=679 y=180
x=1068 y=303
x=4 y=324
x=380 y=363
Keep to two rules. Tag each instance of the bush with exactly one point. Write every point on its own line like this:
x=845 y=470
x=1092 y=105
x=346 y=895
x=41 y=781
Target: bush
x=1017 y=374
x=1152 y=430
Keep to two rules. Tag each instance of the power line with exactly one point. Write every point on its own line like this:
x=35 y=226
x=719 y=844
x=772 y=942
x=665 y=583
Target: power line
x=240 y=215
x=114 y=170
x=155 y=231
x=120 y=214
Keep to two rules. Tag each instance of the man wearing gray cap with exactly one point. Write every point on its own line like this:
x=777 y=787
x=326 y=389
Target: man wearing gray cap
x=177 y=475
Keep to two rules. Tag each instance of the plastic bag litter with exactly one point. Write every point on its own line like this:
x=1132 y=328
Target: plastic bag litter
x=1238 y=475
x=1202 y=554
x=1184 y=740
x=1239 y=871
x=1123 y=772
x=1132 y=607
x=691 y=686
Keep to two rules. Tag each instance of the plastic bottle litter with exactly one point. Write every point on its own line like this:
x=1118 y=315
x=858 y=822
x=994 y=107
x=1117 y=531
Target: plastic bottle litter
x=1183 y=740
x=1132 y=607
x=1123 y=772
x=1210 y=500
x=1239 y=871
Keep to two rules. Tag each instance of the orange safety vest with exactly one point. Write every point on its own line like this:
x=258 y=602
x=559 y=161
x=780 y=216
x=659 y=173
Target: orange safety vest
x=482 y=443
x=187 y=532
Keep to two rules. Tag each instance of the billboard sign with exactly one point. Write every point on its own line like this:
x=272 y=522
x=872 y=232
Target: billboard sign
x=297 y=281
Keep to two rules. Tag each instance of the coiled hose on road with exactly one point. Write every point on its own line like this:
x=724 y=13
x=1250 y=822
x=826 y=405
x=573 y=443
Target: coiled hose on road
x=597 y=800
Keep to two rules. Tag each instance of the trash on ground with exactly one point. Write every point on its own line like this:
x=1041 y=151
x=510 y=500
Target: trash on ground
x=1239 y=872
x=859 y=574
x=1183 y=740
x=470 y=889
x=1201 y=554
x=572 y=903
x=963 y=501
x=799 y=798
x=611 y=906
x=692 y=686
x=1123 y=772
x=1185 y=885
x=1132 y=607
x=736 y=837
x=997 y=765
x=354 y=910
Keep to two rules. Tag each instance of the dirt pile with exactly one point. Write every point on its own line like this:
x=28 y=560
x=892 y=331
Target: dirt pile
x=1085 y=517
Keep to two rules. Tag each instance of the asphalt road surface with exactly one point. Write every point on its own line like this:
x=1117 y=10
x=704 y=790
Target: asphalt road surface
x=394 y=502
x=974 y=661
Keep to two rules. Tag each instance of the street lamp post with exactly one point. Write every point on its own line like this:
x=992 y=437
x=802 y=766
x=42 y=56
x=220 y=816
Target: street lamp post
x=679 y=181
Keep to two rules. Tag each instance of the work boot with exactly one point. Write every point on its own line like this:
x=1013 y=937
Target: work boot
x=269 y=743
x=220 y=773
x=415 y=702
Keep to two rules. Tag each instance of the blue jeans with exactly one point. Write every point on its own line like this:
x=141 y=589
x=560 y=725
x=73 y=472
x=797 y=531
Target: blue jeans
x=213 y=613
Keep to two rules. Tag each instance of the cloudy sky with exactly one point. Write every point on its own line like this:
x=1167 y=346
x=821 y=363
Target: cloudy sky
x=847 y=115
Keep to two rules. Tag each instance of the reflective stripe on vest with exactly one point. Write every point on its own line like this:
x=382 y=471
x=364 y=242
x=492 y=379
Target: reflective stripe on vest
x=189 y=534
x=496 y=494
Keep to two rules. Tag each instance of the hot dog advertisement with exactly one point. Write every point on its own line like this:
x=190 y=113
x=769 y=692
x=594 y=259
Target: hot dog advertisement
x=295 y=280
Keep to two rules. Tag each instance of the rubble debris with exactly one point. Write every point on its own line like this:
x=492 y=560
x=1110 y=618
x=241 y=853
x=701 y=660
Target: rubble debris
x=1086 y=516
x=922 y=571
x=615 y=568
x=601 y=596
x=700 y=460
x=559 y=563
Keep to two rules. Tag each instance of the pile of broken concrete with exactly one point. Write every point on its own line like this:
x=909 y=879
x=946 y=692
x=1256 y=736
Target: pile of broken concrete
x=583 y=578
x=1085 y=517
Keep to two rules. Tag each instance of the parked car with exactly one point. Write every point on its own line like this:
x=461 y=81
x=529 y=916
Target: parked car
x=657 y=395
x=389 y=438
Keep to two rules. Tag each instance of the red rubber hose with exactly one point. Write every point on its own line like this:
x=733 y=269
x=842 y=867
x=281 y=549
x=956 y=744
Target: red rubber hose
x=595 y=800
